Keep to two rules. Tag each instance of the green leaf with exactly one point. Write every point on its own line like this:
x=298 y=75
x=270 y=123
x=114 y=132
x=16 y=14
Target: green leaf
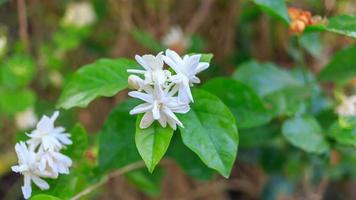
x=147 y=40
x=343 y=24
x=17 y=71
x=117 y=138
x=152 y=142
x=341 y=67
x=345 y=136
x=276 y=8
x=105 y=77
x=264 y=78
x=44 y=197
x=305 y=133
x=146 y=182
x=243 y=102
x=188 y=160
x=311 y=43
x=12 y=102
x=80 y=142
x=258 y=136
x=206 y=57
x=210 y=131
x=288 y=101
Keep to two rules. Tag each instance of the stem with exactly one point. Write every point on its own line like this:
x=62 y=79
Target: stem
x=22 y=14
x=111 y=175
x=199 y=17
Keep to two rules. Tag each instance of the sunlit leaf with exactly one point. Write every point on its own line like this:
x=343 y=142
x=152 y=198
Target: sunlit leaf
x=105 y=77
x=152 y=142
x=210 y=131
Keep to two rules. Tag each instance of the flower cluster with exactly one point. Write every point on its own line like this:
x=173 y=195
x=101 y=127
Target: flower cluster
x=40 y=157
x=176 y=40
x=79 y=14
x=165 y=93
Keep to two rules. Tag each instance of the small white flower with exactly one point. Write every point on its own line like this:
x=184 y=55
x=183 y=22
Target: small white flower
x=186 y=69
x=153 y=69
x=47 y=136
x=175 y=38
x=160 y=105
x=26 y=119
x=54 y=163
x=347 y=107
x=28 y=167
x=79 y=14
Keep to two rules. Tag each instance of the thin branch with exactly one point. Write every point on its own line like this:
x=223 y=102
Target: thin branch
x=199 y=17
x=23 y=29
x=108 y=177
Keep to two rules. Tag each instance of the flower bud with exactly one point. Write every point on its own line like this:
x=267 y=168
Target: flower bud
x=135 y=82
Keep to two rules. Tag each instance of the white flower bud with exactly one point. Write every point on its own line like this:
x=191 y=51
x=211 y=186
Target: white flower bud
x=135 y=82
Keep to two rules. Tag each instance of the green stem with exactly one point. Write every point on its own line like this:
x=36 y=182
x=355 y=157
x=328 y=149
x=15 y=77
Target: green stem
x=111 y=175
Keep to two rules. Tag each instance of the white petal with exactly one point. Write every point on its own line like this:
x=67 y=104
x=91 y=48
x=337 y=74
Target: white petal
x=136 y=71
x=42 y=184
x=171 y=115
x=26 y=188
x=155 y=111
x=201 y=67
x=146 y=120
x=141 y=108
x=141 y=95
x=142 y=62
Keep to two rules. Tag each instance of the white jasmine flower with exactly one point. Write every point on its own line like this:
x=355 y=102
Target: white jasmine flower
x=54 y=163
x=153 y=69
x=47 y=136
x=186 y=69
x=79 y=14
x=175 y=39
x=160 y=105
x=347 y=107
x=28 y=167
x=3 y=44
x=26 y=119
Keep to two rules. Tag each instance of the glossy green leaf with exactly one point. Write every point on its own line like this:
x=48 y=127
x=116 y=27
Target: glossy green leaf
x=44 y=197
x=13 y=101
x=343 y=24
x=188 y=160
x=17 y=71
x=305 y=133
x=210 y=131
x=152 y=142
x=117 y=138
x=79 y=138
x=105 y=77
x=341 y=67
x=276 y=8
x=243 y=102
x=264 y=78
